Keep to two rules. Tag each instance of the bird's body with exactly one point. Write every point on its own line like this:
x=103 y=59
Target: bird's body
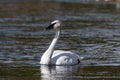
x=58 y=57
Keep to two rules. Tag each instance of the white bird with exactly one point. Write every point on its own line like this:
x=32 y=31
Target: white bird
x=58 y=57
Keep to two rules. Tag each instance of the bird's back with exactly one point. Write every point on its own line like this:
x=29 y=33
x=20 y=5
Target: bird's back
x=61 y=57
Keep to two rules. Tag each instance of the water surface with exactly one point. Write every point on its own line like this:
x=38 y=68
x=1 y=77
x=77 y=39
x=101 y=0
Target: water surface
x=90 y=29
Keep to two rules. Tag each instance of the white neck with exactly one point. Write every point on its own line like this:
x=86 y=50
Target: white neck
x=45 y=59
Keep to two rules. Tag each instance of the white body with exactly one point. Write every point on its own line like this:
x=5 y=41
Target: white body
x=58 y=57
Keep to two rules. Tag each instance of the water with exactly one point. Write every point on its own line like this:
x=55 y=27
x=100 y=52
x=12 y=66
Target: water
x=90 y=28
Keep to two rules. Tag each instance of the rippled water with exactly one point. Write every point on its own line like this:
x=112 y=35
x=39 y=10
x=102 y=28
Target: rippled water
x=90 y=28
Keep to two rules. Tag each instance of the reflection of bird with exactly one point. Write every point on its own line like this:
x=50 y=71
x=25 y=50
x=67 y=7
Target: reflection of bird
x=57 y=72
x=58 y=57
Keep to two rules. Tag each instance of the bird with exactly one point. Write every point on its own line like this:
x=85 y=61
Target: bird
x=58 y=57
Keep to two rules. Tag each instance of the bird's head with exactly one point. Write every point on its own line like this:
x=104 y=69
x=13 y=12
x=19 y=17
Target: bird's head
x=56 y=24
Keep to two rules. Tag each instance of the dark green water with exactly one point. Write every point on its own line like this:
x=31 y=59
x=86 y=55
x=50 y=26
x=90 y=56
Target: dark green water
x=91 y=29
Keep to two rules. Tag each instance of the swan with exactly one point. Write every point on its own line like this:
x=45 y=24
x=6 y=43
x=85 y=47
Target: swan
x=58 y=57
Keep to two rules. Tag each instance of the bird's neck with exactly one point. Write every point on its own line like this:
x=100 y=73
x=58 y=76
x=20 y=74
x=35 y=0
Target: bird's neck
x=45 y=59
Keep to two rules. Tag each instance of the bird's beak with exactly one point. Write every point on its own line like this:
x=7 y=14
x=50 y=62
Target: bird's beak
x=50 y=27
